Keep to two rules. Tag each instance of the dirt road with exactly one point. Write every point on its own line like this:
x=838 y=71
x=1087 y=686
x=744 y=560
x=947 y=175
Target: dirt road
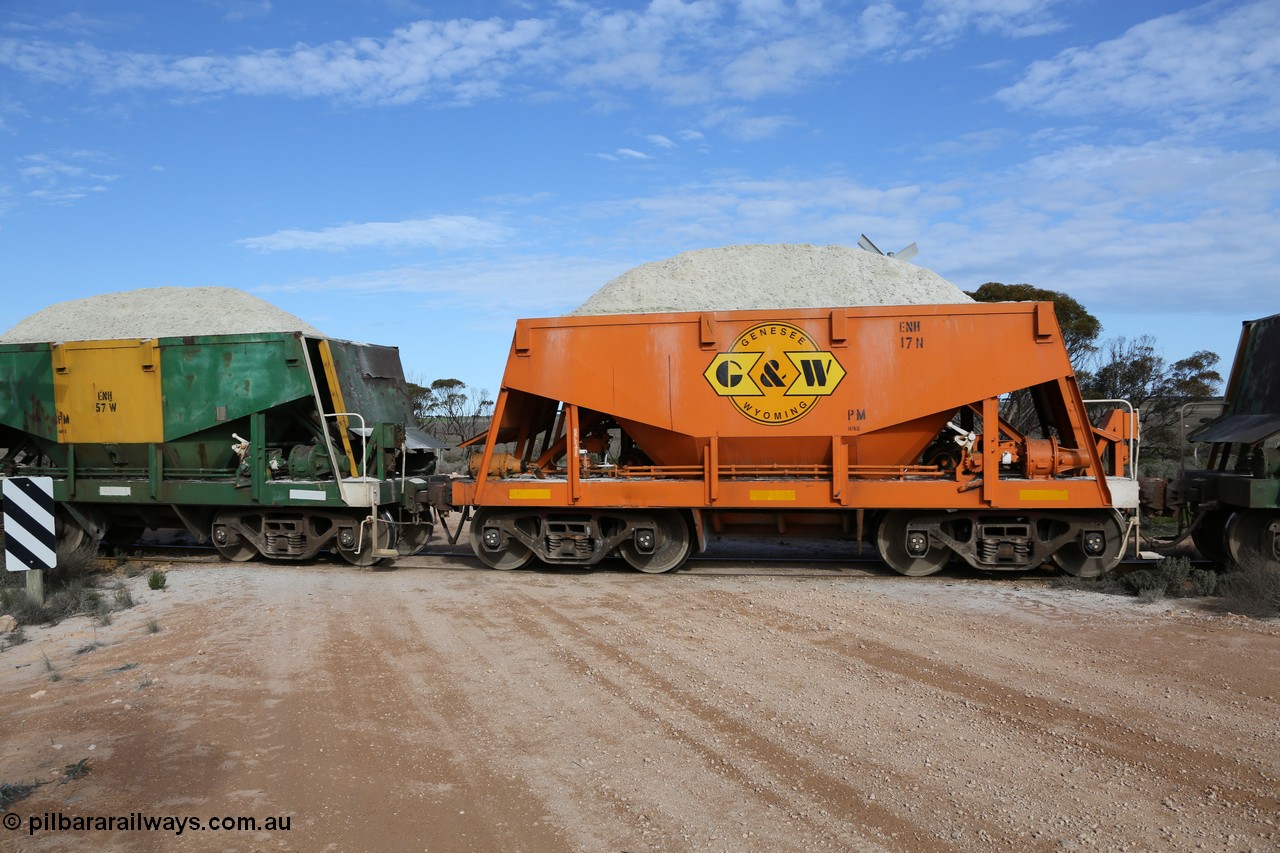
x=443 y=708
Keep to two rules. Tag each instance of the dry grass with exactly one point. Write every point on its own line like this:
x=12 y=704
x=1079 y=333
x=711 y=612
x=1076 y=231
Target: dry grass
x=1252 y=589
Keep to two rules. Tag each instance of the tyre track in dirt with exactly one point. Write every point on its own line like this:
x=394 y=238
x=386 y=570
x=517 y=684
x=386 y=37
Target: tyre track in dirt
x=1100 y=759
x=801 y=788
x=801 y=782
x=1041 y=718
x=393 y=732
x=842 y=692
x=610 y=804
x=1112 y=747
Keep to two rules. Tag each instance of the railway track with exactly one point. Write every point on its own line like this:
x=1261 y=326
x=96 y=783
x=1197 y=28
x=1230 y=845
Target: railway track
x=739 y=564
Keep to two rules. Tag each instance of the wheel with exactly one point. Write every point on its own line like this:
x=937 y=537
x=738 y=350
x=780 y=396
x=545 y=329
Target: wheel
x=413 y=538
x=363 y=552
x=1088 y=556
x=1209 y=534
x=946 y=455
x=494 y=546
x=71 y=541
x=908 y=552
x=669 y=548
x=230 y=544
x=1253 y=537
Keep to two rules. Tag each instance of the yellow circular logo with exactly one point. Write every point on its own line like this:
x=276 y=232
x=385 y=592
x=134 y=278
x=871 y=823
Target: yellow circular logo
x=774 y=373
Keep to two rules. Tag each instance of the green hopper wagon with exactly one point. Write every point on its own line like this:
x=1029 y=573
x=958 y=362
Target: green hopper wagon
x=276 y=444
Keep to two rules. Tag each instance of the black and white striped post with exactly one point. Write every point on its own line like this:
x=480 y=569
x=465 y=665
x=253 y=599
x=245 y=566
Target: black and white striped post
x=29 y=537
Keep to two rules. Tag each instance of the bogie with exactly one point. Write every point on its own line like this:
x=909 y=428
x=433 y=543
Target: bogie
x=917 y=543
x=652 y=541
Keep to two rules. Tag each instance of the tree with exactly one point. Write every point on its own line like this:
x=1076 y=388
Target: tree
x=449 y=410
x=1134 y=370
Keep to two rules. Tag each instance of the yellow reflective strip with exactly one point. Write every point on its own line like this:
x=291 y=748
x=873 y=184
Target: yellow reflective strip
x=1042 y=495
x=529 y=494
x=773 y=494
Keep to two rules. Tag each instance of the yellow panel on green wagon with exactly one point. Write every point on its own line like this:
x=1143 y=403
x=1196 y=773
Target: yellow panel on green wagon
x=108 y=391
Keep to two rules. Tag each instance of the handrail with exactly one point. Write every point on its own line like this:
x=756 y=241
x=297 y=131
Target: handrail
x=1135 y=522
x=364 y=439
x=1182 y=428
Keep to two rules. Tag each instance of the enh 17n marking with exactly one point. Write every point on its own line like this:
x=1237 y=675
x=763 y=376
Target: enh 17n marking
x=907 y=337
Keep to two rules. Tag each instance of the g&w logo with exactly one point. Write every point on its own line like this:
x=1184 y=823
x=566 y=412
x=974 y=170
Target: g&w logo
x=774 y=373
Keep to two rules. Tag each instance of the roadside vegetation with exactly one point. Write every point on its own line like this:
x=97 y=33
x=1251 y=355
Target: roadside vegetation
x=1250 y=590
x=79 y=586
x=11 y=793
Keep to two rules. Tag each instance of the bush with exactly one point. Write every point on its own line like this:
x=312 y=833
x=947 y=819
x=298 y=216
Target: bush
x=75 y=598
x=123 y=598
x=26 y=611
x=157 y=579
x=73 y=567
x=1108 y=584
x=69 y=592
x=1143 y=582
x=1204 y=582
x=12 y=793
x=1252 y=589
x=1167 y=579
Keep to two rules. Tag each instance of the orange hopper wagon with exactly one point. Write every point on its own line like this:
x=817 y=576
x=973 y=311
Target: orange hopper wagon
x=633 y=435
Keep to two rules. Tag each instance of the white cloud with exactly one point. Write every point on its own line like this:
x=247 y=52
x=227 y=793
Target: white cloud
x=439 y=232
x=781 y=66
x=743 y=124
x=470 y=306
x=623 y=154
x=660 y=141
x=244 y=10
x=64 y=177
x=1124 y=228
x=946 y=20
x=1196 y=66
x=563 y=282
x=682 y=52
x=1119 y=227
x=830 y=209
x=452 y=61
x=69 y=22
x=967 y=144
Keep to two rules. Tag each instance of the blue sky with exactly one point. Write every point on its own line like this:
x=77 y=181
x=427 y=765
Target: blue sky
x=421 y=174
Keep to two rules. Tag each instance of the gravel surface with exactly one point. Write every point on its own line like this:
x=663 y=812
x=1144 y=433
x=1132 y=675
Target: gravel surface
x=156 y=312
x=445 y=708
x=778 y=275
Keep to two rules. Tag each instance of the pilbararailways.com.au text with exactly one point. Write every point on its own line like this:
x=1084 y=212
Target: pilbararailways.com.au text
x=142 y=822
